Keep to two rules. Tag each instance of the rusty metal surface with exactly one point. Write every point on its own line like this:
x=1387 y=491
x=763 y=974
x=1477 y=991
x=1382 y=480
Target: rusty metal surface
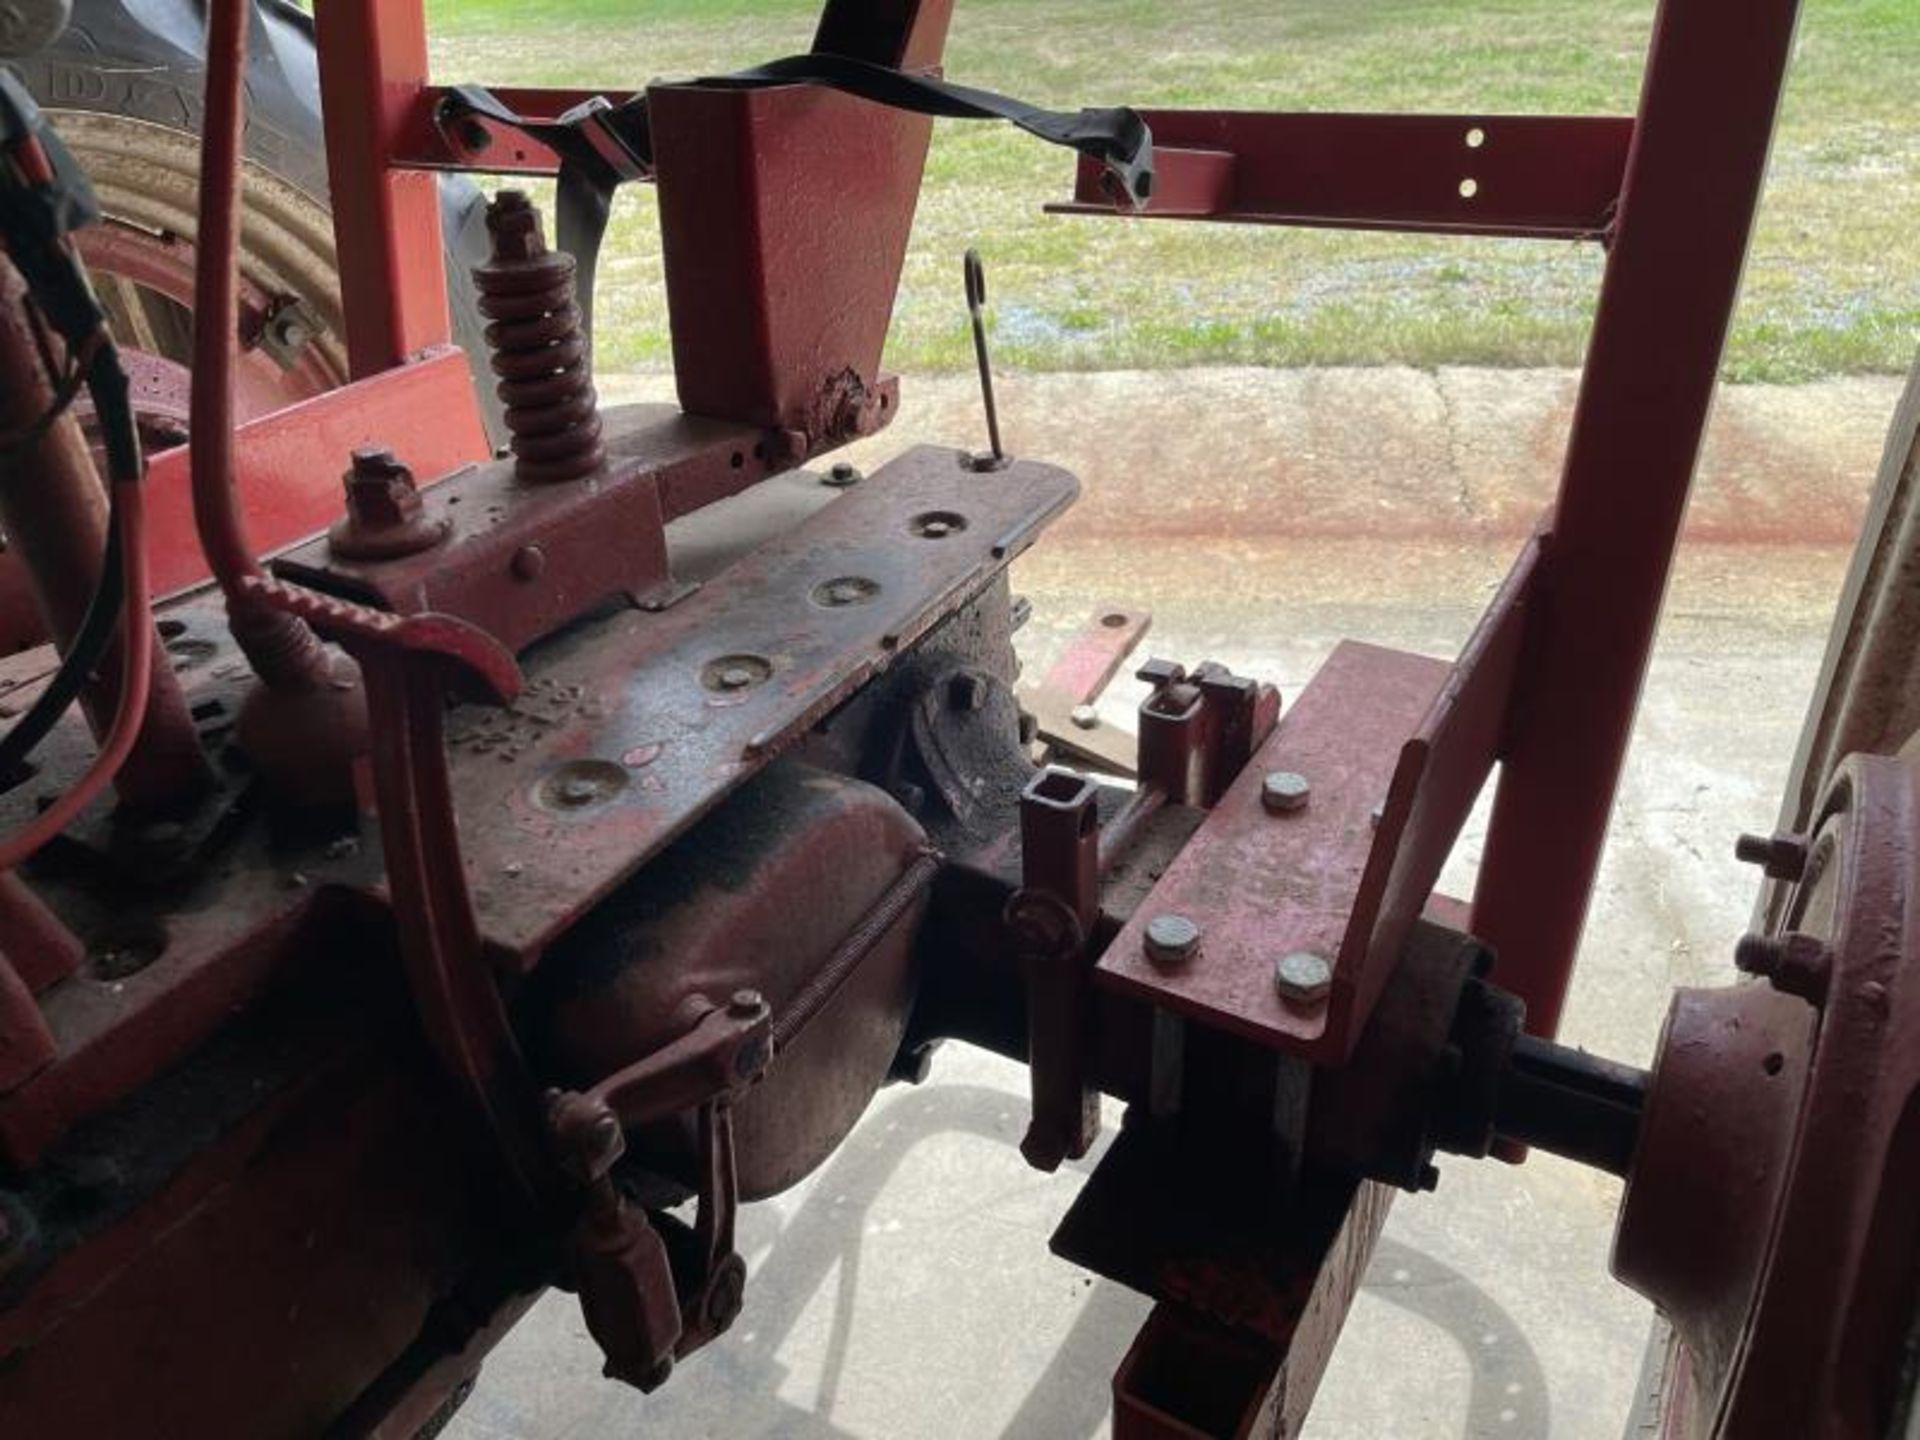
x=1555 y=176
x=820 y=852
x=1051 y=920
x=1335 y=879
x=1094 y=654
x=663 y=713
x=1831 y=1329
x=1262 y=886
x=520 y=560
x=1715 y=1142
x=288 y=464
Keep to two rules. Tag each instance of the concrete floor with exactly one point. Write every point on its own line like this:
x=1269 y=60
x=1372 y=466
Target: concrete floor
x=906 y=1290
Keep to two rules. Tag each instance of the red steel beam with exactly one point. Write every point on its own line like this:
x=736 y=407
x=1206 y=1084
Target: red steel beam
x=1693 y=179
x=386 y=221
x=1508 y=175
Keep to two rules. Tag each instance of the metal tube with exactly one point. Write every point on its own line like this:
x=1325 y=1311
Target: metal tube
x=1571 y=1103
x=1693 y=179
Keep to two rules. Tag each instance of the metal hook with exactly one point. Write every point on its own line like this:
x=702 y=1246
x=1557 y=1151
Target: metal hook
x=976 y=276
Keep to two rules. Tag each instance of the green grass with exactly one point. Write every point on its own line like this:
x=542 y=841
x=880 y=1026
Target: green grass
x=1832 y=287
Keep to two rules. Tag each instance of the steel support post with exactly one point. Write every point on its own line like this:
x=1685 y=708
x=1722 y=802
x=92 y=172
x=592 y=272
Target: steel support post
x=386 y=222
x=1693 y=179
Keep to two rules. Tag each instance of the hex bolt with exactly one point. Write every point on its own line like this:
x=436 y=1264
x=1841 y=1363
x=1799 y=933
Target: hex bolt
x=1084 y=717
x=1781 y=856
x=1284 y=791
x=1302 y=977
x=1793 y=963
x=744 y=1004
x=841 y=475
x=385 y=516
x=735 y=677
x=1172 y=939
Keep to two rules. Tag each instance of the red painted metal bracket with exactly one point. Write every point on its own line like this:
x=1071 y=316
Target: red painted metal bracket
x=478 y=143
x=1396 y=748
x=1557 y=177
x=424 y=412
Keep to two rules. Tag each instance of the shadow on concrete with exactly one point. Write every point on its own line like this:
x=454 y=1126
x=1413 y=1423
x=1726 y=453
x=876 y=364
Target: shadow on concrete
x=821 y=1242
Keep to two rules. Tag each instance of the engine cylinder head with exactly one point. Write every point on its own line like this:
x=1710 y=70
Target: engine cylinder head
x=539 y=347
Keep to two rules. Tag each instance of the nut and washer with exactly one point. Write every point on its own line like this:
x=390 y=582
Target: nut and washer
x=1171 y=939
x=1302 y=977
x=1284 y=791
x=1084 y=717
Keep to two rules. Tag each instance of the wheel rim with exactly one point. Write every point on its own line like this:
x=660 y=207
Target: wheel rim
x=142 y=258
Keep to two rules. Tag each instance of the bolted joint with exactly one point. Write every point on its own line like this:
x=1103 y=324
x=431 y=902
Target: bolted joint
x=513 y=228
x=1171 y=940
x=1782 y=856
x=1793 y=963
x=385 y=516
x=1302 y=978
x=1283 y=792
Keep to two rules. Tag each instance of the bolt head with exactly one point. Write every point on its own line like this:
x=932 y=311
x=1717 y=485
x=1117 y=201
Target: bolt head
x=1085 y=717
x=529 y=562
x=735 y=677
x=1302 y=977
x=936 y=529
x=1284 y=791
x=1171 y=939
x=744 y=1004
x=841 y=475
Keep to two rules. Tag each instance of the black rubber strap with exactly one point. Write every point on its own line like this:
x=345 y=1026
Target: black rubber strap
x=1116 y=137
x=602 y=144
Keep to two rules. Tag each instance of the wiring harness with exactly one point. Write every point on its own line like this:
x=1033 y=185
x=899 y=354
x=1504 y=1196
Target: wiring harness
x=43 y=198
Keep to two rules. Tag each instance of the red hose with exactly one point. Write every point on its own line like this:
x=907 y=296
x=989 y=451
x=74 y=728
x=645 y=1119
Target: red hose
x=136 y=675
x=216 y=300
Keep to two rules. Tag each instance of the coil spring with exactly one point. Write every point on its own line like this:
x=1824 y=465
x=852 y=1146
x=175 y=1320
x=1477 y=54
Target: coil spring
x=539 y=350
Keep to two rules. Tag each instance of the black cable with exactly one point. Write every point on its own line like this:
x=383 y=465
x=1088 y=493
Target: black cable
x=107 y=383
x=43 y=204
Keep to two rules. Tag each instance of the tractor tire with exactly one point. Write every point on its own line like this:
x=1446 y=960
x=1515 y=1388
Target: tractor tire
x=123 y=86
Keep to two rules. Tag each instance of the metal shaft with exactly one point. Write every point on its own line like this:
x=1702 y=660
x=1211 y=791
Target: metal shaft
x=977 y=298
x=1571 y=1103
